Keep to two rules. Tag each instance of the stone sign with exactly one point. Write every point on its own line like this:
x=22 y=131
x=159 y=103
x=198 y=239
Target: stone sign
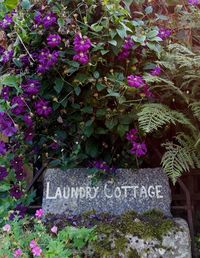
x=72 y=191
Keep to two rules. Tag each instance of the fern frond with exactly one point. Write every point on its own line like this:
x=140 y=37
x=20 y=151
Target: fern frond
x=196 y=109
x=154 y=115
x=176 y=160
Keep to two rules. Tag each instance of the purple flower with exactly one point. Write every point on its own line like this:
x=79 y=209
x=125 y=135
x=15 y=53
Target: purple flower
x=156 y=71
x=54 y=229
x=164 y=33
x=17 y=163
x=54 y=145
x=53 y=40
x=126 y=48
x=139 y=149
x=193 y=2
x=49 y=20
x=18 y=105
x=16 y=192
x=6 y=22
x=46 y=60
x=31 y=86
x=7 y=56
x=5 y=92
x=25 y=60
x=28 y=134
x=19 y=211
x=28 y=120
x=32 y=244
x=146 y=91
x=3 y=148
x=7 y=127
x=132 y=135
x=81 y=58
x=135 y=81
x=42 y=108
x=3 y=173
x=6 y=228
x=102 y=165
x=81 y=43
x=17 y=253
x=20 y=174
x=38 y=18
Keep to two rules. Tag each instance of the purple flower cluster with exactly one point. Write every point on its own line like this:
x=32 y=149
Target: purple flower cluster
x=3 y=173
x=82 y=45
x=35 y=249
x=46 y=60
x=16 y=191
x=42 y=108
x=7 y=127
x=138 y=148
x=193 y=2
x=156 y=71
x=47 y=21
x=6 y=22
x=135 y=81
x=31 y=87
x=164 y=33
x=126 y=49
x=103 y=166
x=17 y=164
x=17 y=253
x=53 y=40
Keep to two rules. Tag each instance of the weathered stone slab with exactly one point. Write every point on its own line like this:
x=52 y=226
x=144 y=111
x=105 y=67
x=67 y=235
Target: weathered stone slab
x=139 y=190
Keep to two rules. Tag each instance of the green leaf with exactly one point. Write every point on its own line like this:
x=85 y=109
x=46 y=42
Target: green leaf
x=91 y=148
x=122 y=33
x=122 y=129
x=4 y=187
x=58 y=85
x=140 y=40
x=152 y=34
x=26 y=4
x=113 y=42
x=111 y=123
x=96 y=75
x=11 y=4
x=87 y=109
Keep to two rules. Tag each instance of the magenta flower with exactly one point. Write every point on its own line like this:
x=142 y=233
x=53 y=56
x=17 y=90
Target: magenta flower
x=193 y=2
x=81 y=43
x=42 y=108
x=36 y=251
x=39 y=213
x=156 y=71
x=31 y=86
x=16 y=192
x=146 y=91
x=32 y=244
x=3 y=173
x=49 y=20
x=54 y=229
x=135 y=81
x=132 y=135
x=17 y=253
x=81 y=58
x=6 y=228
x=139 y=149
x=53 y=40
x=126 y=48
x=164 y=33
x=3 y=148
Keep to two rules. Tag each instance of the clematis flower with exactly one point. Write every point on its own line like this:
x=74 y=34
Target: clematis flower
x=16 y=192
x=46 y=60
x=7 y=56
x=193 y=2
x=19 y=211
x=6 y=22
x=5 y=92
x=132 y=135
x=17 y=163
x=139 y=149
x=49 y=20
x=102 y=165
x=6 y=125
x=42 y=108
x=28 y=120
x=81 y=43
x=126 y=48
x=53 y=40
x=81 y=58
x=135 y=81
x=31 y=86
x=19 y=106
x=156 y=71
x=164 y=33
